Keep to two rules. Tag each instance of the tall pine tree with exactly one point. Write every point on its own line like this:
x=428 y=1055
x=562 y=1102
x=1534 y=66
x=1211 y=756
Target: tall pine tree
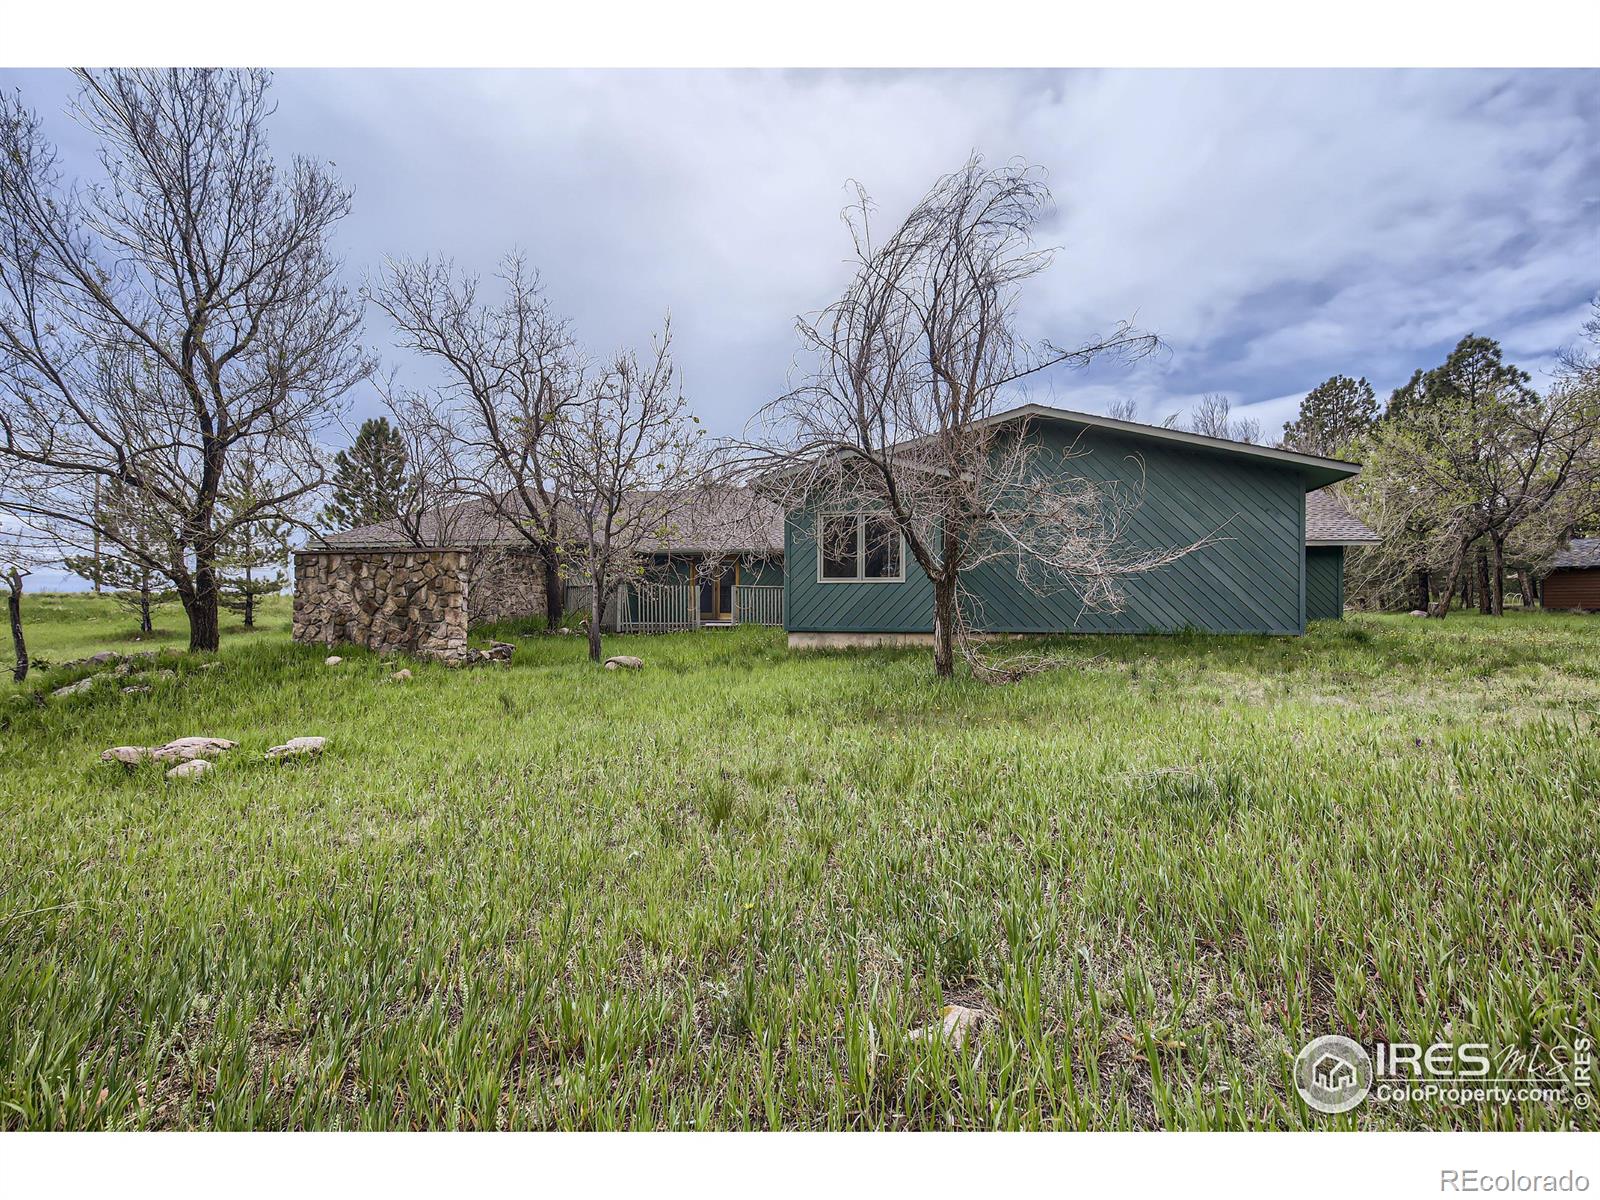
x=1332 y=416
x=251 y=560
x=369 y=478
x=1474 y=373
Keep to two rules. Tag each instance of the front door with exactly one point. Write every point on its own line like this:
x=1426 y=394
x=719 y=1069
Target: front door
x=716 y=590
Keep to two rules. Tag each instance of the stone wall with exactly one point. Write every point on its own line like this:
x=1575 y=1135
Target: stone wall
x=504 y=584
x=392 y=601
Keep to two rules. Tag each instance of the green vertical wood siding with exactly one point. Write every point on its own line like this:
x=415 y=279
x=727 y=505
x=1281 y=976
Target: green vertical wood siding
x=1249 y=580
x=1324 y=583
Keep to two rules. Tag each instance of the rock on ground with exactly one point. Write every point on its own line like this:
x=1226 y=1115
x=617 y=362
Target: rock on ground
x=498 y=652
x=400 y=676
x=127 y=755
x=136 y=689
x=624 y=662
x=73 y=689
x=298 y=747
x=957 y=1024
x=1418 y=612
x=184 y=749
x=192 y=769
x=333 y=660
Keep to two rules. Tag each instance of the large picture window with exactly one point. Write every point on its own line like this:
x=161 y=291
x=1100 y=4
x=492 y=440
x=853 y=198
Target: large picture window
x=854 y=548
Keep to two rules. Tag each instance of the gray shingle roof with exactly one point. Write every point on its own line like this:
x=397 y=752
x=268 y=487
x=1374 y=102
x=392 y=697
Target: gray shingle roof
x=1579 y=554
x=1330 y=522
x=736 y=519
x=724 y=520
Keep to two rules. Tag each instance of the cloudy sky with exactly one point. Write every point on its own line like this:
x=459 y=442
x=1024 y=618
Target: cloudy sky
x=1273 y=227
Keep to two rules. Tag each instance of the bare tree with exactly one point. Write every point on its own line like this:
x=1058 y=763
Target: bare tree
x=183 y=306
x=23 y=549
x=1213 y=417
x=512 y=370
x=899 y=418
x=1125 y=408
x=632 y=458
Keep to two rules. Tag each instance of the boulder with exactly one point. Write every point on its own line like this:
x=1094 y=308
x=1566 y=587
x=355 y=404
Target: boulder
x=501 y=651
x=126 y=755
x=192 y=769
x=104 y=657
x=400 y=676
x=624 y=662
x=298 y=747
x=1419 y=612
x=957 y=1024
x=185 y=749
x=73 y=689
x=333 y=660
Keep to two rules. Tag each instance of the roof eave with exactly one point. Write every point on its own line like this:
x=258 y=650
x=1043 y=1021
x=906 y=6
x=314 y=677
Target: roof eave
x=1318 y=470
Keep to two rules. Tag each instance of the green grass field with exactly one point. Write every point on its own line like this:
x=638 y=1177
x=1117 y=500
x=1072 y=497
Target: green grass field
x=721 y=891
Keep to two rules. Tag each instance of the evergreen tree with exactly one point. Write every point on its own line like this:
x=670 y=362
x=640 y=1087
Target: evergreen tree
x=1332 y=416
x=1475 y=372
x=251 y=560
x=133 y=532
x=369 y=478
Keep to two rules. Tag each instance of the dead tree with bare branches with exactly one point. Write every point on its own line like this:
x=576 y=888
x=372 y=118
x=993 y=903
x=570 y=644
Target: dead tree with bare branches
x=511 y=371
x=182 y=306
x=900 y=416
x=632 y=458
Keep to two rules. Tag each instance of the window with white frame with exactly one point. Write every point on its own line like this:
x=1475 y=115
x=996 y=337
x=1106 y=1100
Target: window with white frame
x=859 y=548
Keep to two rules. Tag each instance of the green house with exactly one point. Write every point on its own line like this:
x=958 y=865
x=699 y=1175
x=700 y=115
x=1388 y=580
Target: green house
x=1275 y=559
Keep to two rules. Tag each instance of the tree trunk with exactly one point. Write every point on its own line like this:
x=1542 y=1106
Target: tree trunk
x=1525 y=586
x=555 y=597
x=200 y=603
x=1497 y=576
x=1424 y=590
x=1485 y=601
x=18 y=642
x=597 y=607
x=249 y=599
x=944 y=628
x=1458 y=562
x=145 y=625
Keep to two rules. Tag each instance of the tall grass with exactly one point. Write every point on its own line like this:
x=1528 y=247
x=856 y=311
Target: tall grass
x=719 y=893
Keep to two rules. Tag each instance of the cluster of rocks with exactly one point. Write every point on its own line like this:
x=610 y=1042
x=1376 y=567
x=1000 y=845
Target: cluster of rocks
x=134 y=669
x=391 y=601
x=193 y=755
x=498 y=652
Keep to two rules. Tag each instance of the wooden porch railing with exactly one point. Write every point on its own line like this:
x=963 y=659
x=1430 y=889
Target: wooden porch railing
x=642 y=607
x=657 y=607
x=757 y=604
